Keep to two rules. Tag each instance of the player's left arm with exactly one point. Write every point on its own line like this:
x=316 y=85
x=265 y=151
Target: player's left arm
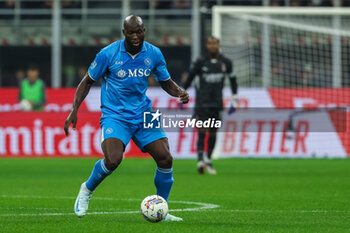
x=174 y=90
x=234 y=87
x=161 y=74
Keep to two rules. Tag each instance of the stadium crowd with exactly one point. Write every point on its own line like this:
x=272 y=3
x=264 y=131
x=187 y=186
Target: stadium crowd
x=157 y=4
x=167 y=4
x=283 y=73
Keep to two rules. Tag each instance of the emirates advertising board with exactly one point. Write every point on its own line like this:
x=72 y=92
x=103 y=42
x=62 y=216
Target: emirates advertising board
x=281 y=123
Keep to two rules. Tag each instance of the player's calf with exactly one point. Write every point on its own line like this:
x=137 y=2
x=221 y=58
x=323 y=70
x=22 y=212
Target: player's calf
x=99 y=172
x=163 y=178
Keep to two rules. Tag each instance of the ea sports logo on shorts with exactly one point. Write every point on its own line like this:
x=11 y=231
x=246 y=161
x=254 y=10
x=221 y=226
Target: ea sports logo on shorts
x=109 y=131
x=121 y=73
x=151 y=120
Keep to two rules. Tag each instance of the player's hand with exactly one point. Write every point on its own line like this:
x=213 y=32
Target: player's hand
x=233 y=104
x=183 y=96
x=71 y=119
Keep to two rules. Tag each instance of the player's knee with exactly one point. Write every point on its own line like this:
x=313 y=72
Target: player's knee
x=165 y=161
x=113 y=161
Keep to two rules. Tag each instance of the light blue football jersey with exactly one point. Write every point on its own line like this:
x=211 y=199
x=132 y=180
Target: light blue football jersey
x=125 y=79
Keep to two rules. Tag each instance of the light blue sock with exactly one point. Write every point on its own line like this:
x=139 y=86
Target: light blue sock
x=97 y=175
x=163 y=179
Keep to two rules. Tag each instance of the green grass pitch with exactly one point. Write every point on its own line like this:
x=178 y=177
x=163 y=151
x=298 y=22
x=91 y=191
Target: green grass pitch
x=250 y=195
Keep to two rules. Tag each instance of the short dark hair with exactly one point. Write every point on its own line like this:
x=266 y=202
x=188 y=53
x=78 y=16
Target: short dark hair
x=32 y=67
x=212 y=37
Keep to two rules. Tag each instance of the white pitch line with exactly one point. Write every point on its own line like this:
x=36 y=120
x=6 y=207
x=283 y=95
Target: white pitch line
x=202 y=205
x=180 y=210
x=21 y=208
x=35 y=197
x=63 y=214
x=285 y=211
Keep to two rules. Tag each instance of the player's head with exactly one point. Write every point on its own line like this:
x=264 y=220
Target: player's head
x=213 y=45
x=134 y=32
x=33 y=73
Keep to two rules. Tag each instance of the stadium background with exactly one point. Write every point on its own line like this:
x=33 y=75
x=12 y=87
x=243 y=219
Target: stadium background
x=295 y=68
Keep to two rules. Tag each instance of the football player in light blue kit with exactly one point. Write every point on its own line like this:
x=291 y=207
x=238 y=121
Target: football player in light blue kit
x=125 y=66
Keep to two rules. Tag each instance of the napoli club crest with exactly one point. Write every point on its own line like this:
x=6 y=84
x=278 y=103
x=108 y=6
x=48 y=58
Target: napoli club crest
x=148 y=61
x=121 y=73
x=223 y=67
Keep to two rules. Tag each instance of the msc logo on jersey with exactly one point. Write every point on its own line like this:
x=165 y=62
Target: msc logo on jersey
x=134 y=73
x=139 y=72
x=151 y=120
x=147 y=61
x=121 y=73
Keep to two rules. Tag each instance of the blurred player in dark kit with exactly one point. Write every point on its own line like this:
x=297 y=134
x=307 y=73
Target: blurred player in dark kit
x=211 y=69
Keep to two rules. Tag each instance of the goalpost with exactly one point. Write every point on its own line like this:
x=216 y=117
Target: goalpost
x=316 y=35
x=300 y=56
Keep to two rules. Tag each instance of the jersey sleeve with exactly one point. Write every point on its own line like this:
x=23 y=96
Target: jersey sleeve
x=99 y=66
x=160 y=71
x=230 y=71
x=195 y=69
x=232 y=76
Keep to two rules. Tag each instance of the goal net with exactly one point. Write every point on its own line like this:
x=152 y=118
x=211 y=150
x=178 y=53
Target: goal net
x=299 y=58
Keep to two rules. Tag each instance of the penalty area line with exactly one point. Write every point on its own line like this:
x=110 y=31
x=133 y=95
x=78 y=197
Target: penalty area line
x=64 y=214
x=281 y=211
x=201 y=206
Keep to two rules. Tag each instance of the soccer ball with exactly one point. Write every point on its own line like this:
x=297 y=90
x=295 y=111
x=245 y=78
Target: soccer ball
x=154 y=208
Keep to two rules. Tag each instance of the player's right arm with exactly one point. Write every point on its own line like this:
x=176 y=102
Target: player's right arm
x=80 y=94
x=96 y=70
x=195 y=69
